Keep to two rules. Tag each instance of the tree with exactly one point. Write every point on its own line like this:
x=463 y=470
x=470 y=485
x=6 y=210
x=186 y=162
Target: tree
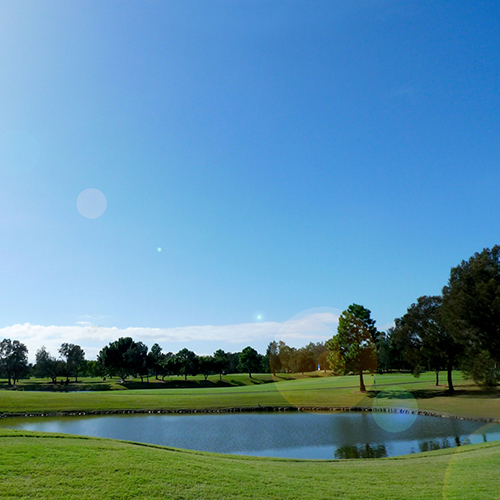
x=305 y=360
x=13 y=360
x=364 y=315
x=424 y=340
x=93 y=368
x=334 y=357
x=389 y=353
x=207 y=365
x=471 y=311
x=355 y=344
x=286 y=357
x=136 y=357
x=249 y=361
x=122 y=357
x=47 y=366
x=154 y=359
x=272 y=354
x=75 y=359
x=221 y=362
x=187 y=361
x=233 y=360
x=169 y=365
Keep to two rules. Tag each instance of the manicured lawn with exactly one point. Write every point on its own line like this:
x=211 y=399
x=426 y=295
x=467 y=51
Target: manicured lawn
x=308 y=391
x=37 y=465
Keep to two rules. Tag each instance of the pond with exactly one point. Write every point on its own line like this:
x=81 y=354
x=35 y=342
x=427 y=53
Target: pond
x=296 y=435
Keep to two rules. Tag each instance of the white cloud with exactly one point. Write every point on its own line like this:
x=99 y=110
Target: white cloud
x=307 y=327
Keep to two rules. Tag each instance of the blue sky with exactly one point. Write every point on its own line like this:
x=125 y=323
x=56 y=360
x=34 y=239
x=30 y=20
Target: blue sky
x=285 y=156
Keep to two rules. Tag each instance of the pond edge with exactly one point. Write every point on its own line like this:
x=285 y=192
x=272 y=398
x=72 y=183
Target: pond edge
x=249 y=409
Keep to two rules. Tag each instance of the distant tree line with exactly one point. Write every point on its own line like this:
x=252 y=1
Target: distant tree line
x=125 y=358
x=459 y=329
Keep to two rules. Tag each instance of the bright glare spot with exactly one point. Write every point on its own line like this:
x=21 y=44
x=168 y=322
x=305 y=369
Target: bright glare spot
x=258 y=316
x=91 y=203
x=395 y=411
x=159 y=249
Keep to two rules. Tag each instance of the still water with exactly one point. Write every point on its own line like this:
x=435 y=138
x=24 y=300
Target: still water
x=296 y=435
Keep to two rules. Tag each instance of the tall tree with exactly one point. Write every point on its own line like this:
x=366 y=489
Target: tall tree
x=137 y=359
x=355 y=345
x=364 y=315
x=221 y=362
x=74 y=357
x=154 y=357
x=471 y=310
x=187 y=361
x=13 y=360
x=207 y=365
x=169 y=365
x=119 y=359
x=249 y=361
x=272 y=354
x=424 y=339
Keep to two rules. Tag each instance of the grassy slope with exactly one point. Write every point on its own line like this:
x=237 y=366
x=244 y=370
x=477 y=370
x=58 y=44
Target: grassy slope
x=37 y=465
x=310 y=391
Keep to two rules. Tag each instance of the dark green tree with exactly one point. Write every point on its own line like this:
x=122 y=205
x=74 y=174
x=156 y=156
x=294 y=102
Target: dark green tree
x=136 y=357
x=471 y=311
x=47 y=366
x=187 y=361
x=364 y=315
x=154 y=357
x=207 y=365
x=13 y=360
x=119 y=358
x=233 y=359
x=74 y=359
x=249 y=361
x=424 y=339
x=169 y=365
x=221 y=362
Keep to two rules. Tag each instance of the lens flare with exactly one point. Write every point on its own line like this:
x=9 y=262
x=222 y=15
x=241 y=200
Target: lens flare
x=91 y=203
x=399 y=402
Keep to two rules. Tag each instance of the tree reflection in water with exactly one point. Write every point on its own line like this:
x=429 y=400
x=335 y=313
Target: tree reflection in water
x=435 y=444
x=366 y=451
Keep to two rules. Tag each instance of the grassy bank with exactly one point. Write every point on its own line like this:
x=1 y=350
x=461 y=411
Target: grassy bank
x=37 y=465
x=390 y=390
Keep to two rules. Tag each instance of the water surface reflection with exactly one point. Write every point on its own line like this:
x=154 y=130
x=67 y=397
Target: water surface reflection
x=297 y=435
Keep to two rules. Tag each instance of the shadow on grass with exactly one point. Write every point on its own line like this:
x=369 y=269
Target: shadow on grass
x=431 y=393
x=176 y=384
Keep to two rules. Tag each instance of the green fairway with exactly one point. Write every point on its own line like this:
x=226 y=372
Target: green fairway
x=307 y=391
x=38 y=465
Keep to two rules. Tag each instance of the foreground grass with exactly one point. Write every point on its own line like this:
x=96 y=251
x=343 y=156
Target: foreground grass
x=39 y=465
x=390 y=390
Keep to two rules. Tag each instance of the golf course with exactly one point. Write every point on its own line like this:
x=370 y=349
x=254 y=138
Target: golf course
x=47 y=465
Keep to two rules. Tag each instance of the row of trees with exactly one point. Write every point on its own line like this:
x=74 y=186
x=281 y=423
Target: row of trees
x=126 y=358
x=14 y=361
x=459 y=329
